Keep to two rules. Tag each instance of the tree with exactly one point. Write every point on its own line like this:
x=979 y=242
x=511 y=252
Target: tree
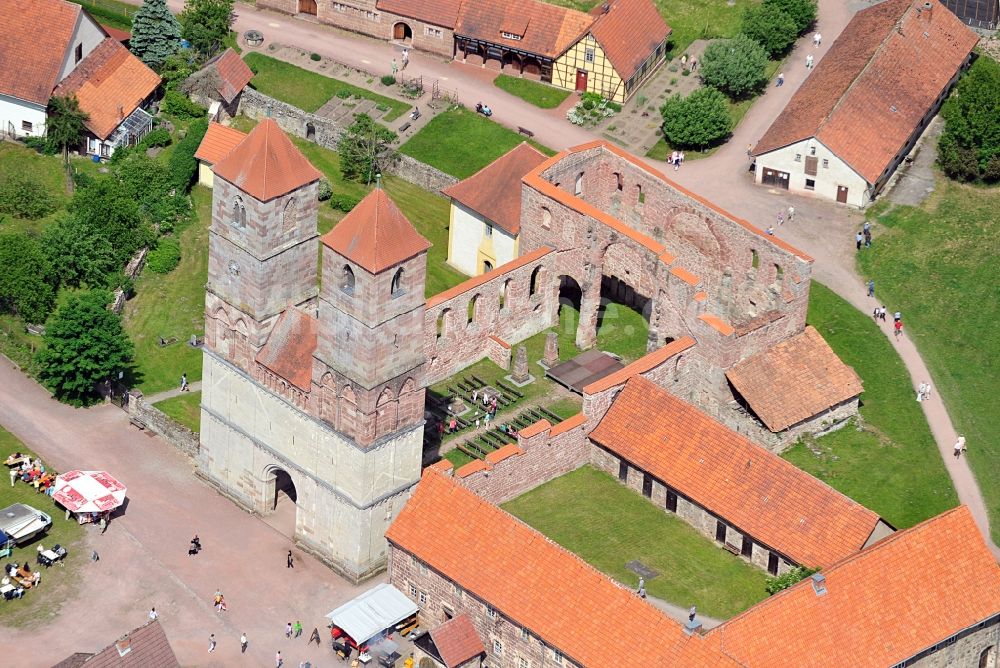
x=205 y=24
x=156 y=34
x=26 y=282
x=65 y=123
x=697 y=120
x=77 y=254
x=84 y=346
x=735 y=66
x=183 y=165
x=802 y=12
x=363 y=148
x=969 y=148
x=769 y=26
x=106 y=207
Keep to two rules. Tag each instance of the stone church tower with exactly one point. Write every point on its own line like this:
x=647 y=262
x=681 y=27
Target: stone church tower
x=320 y=400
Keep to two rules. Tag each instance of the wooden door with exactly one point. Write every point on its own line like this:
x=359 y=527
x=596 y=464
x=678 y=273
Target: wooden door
x=307 y=7
x=720 y=531
x=842 y=194
x=773 y=177
x=581 y=80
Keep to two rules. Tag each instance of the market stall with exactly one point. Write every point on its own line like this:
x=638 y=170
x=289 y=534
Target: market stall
x=90 y=495
x=370 y=618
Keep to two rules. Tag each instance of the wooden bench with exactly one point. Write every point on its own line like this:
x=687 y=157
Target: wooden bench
x=137 y=423
x=404 y=127
x=525 y=131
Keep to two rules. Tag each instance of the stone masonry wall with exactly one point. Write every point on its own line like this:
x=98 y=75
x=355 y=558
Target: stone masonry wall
x=977 y=647
x=453 y=340
x=162 y=424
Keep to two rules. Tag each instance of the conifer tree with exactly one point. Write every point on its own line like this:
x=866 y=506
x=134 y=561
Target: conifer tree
x=156 y=34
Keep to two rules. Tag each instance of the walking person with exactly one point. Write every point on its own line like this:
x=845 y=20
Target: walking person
x=298 y=628
x=791 y=213
x=289 y=560
x=395 y=67
x=153 y=615
x=858 y=240
x=927 y=391
x=781 y=80
x=184 y=383
x=897 y=316
x=781 y=219
x=920 y=393
x=770 y=230
x=13 y=476
x=750 y=151
x=278 y=661
x=288 y=630
x=211 y=643
x=871 y=288
x=691 y=613
x=868 y=239
x=898 y=328
x=959 y=446
x=243 y=643
x=809 y=62
x=817 y=39
x=406 y=58
x=881 y=313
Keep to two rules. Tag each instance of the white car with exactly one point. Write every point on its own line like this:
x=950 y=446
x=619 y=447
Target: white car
x=22 y=523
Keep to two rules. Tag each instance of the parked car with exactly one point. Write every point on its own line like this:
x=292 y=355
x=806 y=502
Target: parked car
x=22 y=522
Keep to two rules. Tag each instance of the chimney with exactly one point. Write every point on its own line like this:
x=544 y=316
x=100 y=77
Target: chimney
x=606 y=7
x=818 y=583
x=692 y=626
x=121 y=113
x=124 y=646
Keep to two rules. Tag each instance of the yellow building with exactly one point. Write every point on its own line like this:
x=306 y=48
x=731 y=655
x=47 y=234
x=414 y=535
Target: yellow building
x=219 y=140
x=609 y=51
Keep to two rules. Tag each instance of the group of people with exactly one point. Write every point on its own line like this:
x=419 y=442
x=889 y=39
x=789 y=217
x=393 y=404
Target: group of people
x=32 y=472
x=689 y=64
x=879 y=314
x=220 y=601
x=676 y=158
x=864 y=236
x=17 y=578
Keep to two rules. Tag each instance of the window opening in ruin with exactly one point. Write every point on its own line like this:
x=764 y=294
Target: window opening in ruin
x=546 y=218
x=442 y=323
x=779 y=273
x=504 y=287
x=578 y=185
x=619 y=182
x=641 y=196
x=754 y=259
x=533 y=285
x=473 y=306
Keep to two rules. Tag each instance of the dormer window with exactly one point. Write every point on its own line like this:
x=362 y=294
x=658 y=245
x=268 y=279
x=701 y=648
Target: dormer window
x=510 y=36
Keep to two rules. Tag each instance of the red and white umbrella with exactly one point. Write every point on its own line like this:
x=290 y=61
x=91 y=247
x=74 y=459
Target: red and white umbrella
x=88 y=491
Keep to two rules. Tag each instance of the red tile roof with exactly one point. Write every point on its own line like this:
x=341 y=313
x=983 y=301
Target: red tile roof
x=756 y=491
x=120 y=35
x=147 y=647
x=882 y=606
x=36 y=37
x=234 y=74
x=376 y=234
x=218 y=142
x=794 y=380
x=109 y=84
x=871 y=90
x=494 y=192
x=267 y=164
x=457 y=641
x=628 y=33
x=546 y=30
x=538 y=584
x=442 y=13
x=289 y=348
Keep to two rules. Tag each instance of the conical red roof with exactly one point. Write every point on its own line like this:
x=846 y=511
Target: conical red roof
x=376 y=234
x=266 y=164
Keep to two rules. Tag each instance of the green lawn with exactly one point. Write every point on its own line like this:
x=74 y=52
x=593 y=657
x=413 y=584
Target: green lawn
x=460 y=142
x=58 y=582
x=308 y=90
x=172 y=306
x=566 y=407
x=46 y=170
x=110 y=12
x=892 y=465
x=937 y=264
x=538 y=94
x=185 y=408
x=688 y=20
x=594 y=516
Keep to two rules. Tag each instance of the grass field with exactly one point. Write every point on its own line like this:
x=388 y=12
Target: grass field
x=58 y=582
x=539 y=94
x=185 y=408
x=110 y=12
x=937 y=264
x=606 y=524
x=461 y=142
x=892 y=465
x=308 y=90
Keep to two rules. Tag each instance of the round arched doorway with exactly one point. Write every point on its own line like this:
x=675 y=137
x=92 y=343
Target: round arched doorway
x=401 y=32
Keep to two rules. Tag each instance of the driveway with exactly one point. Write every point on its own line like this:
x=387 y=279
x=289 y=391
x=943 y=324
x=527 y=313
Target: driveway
x=143 y=556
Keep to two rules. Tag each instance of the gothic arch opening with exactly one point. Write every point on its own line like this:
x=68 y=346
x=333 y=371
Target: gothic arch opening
x=289 y=217
x=280 y=501
x=347 y=279
x=397 y=283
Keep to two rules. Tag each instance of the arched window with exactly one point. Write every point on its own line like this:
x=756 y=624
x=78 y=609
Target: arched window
x=397 y=283
x=546 y=218
x=619 y=182
x=578 y=185
x=347 y=280
x=535 y=277
x=504 y=287
x=473 y=306
x=640 y=196
x=289 y=216
x=754 y=259
x=442 y=322
x=779 y=273
x=239 y=214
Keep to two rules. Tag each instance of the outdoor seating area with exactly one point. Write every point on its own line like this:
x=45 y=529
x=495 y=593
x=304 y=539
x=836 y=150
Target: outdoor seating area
x=31 y=472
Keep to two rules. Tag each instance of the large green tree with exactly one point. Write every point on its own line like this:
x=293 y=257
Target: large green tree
x=65 y=123
x=770 y=26
x=363 y=148
x=803 y=12
x=206 y=23
x=84 y=346
x=26 y=282
x=737 y=66
x=969 y=148
x=156 y=34
x=107 y=207
x=696 y=121
x=77 y=254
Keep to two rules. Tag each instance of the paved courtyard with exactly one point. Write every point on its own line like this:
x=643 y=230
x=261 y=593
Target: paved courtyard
x=144 y=560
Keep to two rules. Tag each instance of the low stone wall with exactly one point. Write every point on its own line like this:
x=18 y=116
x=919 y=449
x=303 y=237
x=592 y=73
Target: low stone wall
x=132 y=270
x=162 y=424
x=419 y=173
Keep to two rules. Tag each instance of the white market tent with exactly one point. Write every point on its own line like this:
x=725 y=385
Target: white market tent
x=380 y=608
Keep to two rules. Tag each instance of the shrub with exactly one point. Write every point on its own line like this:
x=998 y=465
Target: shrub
x=969 y=148
x=802 y=12
x=697 y=120
x=613 y=106
x=22 y=197
x=775 y=584
x=159 y=137
x=177 y=104
x=315 y=57
x=165 y=256
x=324 y=190
x=344 y=202
x=42 y=145
x=735 y=66
x=588 y=104
x=388 y=80
x=769 y=26
x=343 y=93
x=183 y=165
x=26 y=279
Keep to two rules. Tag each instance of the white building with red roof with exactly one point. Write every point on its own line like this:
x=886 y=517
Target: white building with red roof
x=54 y=48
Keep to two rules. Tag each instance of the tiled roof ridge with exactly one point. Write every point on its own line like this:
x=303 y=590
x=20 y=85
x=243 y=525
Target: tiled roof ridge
x=864 y=553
